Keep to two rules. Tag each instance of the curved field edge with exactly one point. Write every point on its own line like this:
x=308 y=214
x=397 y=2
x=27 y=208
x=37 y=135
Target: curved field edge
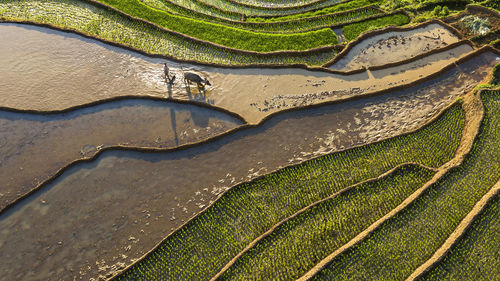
x=368 y=34
x=409 y=238
x=235 y=7
x=341 y=6
x=285 y=27
x=102 y=24
x=475 y=255
x=308 y=237
x=221 y=34
x=208 y=241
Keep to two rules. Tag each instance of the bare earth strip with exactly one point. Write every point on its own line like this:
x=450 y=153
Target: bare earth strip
x=456 y=235
x=474 y=114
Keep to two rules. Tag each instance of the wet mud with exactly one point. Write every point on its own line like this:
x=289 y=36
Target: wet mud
x=34 y=147
x=49 y=70
x=105 y=214
x=395 y=46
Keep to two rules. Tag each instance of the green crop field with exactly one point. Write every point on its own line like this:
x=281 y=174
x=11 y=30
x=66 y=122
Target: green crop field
x=363 y=171
x=202 y=247
x=476 y=256
x=408 y=239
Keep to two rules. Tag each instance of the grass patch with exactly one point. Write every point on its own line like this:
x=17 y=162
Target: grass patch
x=308 y=238
x=225 y=35
x=403 y=243
x=113 y=27
x=476 y=256
x=352 y=31
x=204 y=245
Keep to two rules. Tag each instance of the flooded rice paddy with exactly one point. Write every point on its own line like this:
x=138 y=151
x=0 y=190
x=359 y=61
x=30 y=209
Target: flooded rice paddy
x=60 y=74
x=395 y=46
x=34 y=147
x=105 y=214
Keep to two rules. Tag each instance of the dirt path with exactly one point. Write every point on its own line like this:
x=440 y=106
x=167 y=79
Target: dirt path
x=474 y=114
x=456 y=235
x=271 y=230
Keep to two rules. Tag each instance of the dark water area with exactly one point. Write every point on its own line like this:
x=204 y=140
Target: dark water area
x=34 y=147
x=103 y=215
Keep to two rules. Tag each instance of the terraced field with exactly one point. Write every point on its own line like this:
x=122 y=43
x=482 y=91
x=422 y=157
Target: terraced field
x=323 y=140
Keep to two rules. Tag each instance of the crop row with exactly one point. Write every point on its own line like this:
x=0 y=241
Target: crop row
x=401 y=244
x=234 y=7
x=113 y=27
x=341 y=7
x=194 y=9
x=276 y=4
x=476 y=256
x=224 y=35
x=204 y=245
x=351 y=31
x=298 y=244
x=291 y=26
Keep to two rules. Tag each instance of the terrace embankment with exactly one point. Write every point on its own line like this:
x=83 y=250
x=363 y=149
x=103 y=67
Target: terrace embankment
x=62 y=74
x=35 y=146
x=112 y=210
x=394 y=46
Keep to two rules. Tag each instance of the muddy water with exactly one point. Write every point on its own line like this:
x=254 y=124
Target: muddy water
x=101 y=216
x=45 y=69
x=395 y=46
x=34 y=147
x=49 y=70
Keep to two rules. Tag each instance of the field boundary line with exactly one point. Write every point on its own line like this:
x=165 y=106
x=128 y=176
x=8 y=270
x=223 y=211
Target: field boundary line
x=470 y=8
x=428 y=123
x=333 y=195
x=302 y=6
x=122 y=98
x=323 y=68
x=248 y=26
x=471 y=103
x=372 y=33
x=115 y=10
x=456 y=235
x=247 y=125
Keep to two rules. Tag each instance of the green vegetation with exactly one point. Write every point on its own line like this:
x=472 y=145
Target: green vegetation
x=495 y=79
x=225 y=35
x=496 y=43
x=194 y=9
x=264 y=11
x=476 y=256
x=204 y=245
x=489 y=3
x=351 y=31
x=410 y=238
x=299 y=25
x=342 y=7
x=476 y=25
x=113 y=27
x=311 y=236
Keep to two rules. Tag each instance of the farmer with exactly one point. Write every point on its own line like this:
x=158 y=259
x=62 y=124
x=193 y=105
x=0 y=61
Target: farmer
x=169 y=80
